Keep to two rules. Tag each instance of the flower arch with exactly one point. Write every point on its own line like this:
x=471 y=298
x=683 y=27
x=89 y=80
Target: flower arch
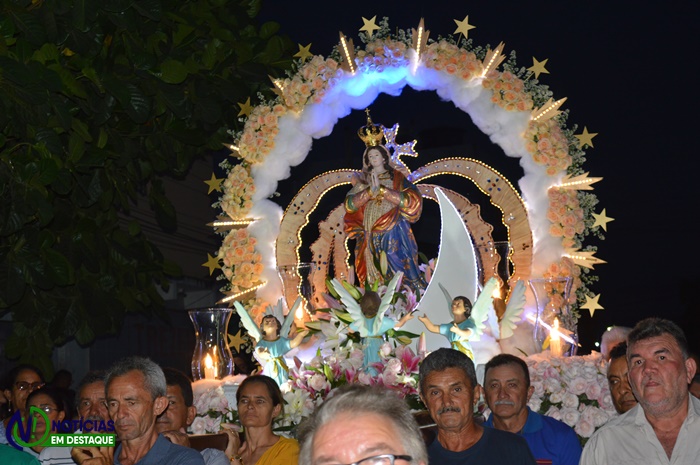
x=515 y=111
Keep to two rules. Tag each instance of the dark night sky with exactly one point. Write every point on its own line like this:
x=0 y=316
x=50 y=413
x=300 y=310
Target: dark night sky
x=626 y=68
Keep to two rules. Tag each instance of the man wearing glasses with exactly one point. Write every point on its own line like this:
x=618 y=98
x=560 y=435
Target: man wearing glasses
x=361 y=425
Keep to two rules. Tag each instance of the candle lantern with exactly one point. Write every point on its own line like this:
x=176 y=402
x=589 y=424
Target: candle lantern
x=552 y=298
x=212 y=357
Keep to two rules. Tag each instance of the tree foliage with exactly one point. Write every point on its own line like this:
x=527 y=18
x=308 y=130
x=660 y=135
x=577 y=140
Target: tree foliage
x=100 y=101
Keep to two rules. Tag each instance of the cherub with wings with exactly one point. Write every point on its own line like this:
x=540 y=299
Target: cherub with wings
x=272 y=338
x=368 y=315
x=469 y=322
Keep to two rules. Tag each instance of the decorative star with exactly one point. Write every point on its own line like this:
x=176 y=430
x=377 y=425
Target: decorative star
x=538 y=67
x=246 y=108
x=592 y=304
x=602 y=220
x=370 y=25
x=399 y=150
x=463 y=27
x=586 y=138
x=303 y=52
x=237 y=340
x=214 y=184
x=212 y=263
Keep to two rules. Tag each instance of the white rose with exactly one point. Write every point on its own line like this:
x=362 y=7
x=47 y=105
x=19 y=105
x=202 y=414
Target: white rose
x=535 y=403
x=554 y=413
x=198 y=426
x=570 y=416
x=570 y=400
x=552 y=385
x=318 y=382
x=385 y=350
x=578 y=386
x=584 y=429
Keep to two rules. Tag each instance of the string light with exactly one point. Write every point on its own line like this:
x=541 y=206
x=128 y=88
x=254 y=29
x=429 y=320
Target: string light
x=548 y=110
x=348 y=53
x=493 y=58
x=235 y=296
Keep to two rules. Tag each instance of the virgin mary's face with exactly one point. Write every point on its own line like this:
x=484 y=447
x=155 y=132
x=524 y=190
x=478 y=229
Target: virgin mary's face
x=375 y=158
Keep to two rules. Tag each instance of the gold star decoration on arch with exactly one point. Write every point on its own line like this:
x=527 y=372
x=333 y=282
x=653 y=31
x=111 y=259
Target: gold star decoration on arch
x=602 y=220
x=538 y=67
x=304 y=52
x=370 y=25
x=585 y=138
x=246 y=108
x=592 y=304
x=463 y=27
x=214 y=184
x=212 y=263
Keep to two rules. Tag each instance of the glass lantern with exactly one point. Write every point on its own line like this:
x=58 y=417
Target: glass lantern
x=212 y=357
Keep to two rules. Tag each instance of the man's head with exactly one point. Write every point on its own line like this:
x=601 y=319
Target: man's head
x=136 y=392
x=449 y=389
x=659 y=366
x=357 y=422
x=620 y=389
x=90 y=398
x=181 y=411
x=507 y=386
x=613 y=336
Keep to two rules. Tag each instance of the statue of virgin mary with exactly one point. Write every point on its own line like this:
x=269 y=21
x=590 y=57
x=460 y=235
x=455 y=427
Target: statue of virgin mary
x=379 y=210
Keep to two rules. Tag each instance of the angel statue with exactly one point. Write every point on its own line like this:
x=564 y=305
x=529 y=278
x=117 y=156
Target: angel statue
x=378 y=212
x=271 y=338
x=469 y=322
x=369 y=317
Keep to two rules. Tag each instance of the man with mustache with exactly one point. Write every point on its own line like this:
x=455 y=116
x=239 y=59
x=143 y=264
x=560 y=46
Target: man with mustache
x=618 y=379
x=449 y=389
x=507 y=390
x=665 y=426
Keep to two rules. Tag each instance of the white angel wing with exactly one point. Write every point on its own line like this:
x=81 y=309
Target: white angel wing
x=480 y=309
x=448 y=297
x=514 y=309
x=289 y=319
x=351 y=305
x=492 y=323
x=248 y=322
x=386 y=301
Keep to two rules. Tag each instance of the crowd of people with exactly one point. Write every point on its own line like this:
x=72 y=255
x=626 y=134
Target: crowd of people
x=651 y=375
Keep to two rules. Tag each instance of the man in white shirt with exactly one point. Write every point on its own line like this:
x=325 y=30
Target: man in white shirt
x=664 y=428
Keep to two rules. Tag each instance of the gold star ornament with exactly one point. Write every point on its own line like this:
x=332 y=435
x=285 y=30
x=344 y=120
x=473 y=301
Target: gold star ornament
x=463 y=27
x=214 y=184
x=592 y=304
x=538 y=67
x=370 y=25
x=236 y=341
x=602 y=220
x=586 y=138
x=304 y=52
x=212 y=263
x=246 y=108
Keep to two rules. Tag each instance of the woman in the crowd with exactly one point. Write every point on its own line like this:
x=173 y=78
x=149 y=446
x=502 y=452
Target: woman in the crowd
x=17 y=384
x=260 y=401
x=55 y=407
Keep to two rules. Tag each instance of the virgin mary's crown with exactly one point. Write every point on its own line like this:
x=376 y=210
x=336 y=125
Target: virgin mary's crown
x=371 y=134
